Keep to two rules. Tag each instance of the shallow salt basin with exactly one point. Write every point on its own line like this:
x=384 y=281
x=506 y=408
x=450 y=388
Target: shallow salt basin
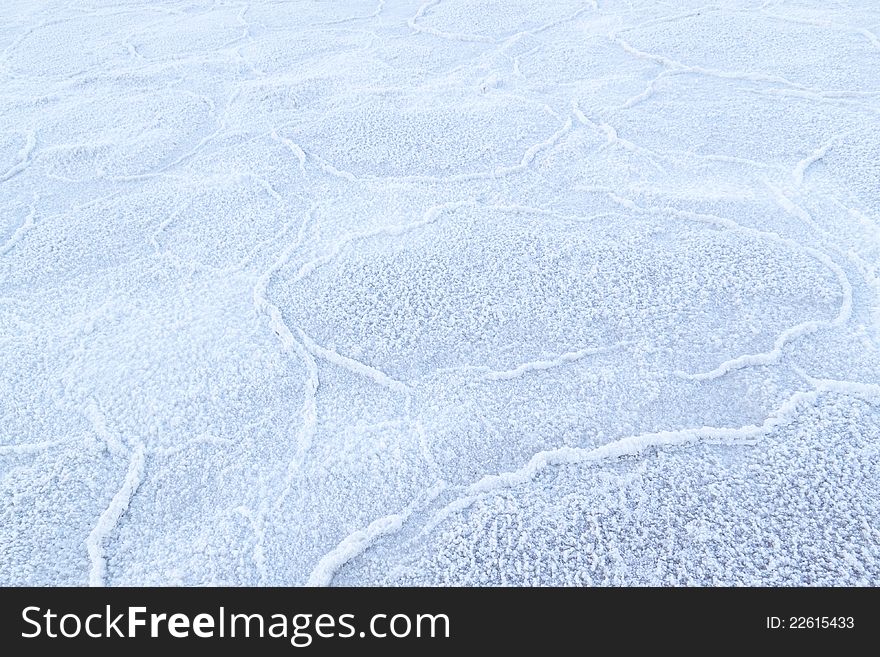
x=403 y=292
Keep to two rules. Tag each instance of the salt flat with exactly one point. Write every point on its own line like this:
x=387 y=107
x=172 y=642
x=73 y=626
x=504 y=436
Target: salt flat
x=448 y=292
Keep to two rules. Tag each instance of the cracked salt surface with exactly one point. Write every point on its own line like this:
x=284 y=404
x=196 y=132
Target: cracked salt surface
x=405 y=292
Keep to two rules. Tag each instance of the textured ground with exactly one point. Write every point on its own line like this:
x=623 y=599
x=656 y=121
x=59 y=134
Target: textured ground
x=393 y=292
